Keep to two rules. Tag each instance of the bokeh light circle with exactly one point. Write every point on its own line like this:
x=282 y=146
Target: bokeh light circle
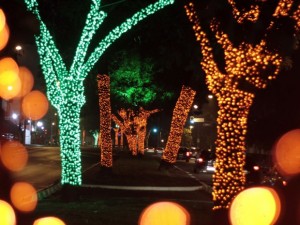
x=257 y=205
x=7 y=214
x=35 y=105
x=27 y=81
x=287 y=153
x=10 y=84
x=49 y=221
x=166 y=213
x=14 y=155
x=4 y=36
x=23 y=196
x=2 y=19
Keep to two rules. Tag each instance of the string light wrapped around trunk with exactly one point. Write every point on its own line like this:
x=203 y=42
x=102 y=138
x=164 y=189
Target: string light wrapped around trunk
x=246 y=61
x=105 y=120
x=180 y=114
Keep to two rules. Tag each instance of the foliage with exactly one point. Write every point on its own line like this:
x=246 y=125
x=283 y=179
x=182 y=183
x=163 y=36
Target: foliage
x=132 y=80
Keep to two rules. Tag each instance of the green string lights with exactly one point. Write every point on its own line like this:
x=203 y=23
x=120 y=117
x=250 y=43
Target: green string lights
x=65 y=88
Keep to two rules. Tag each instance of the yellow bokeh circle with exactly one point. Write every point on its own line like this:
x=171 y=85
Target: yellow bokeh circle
x=166 y=213
x=48 y=221
x=7 y=214
x=257 y=205
x=35 y=105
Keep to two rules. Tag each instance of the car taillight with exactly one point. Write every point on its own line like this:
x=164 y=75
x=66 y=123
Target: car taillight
x=256 y=168
x=200 y=160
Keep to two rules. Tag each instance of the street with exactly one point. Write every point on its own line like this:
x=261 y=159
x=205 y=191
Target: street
x=44 y=166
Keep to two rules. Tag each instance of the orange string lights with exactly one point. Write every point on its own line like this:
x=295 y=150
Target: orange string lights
x=105 y=120
x=180 y=113
x=244 y=62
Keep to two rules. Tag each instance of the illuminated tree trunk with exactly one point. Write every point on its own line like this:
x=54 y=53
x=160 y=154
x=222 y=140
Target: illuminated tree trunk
x=229 y=174
x=105 y=121
x=180 y=114
x=70 y=143
x=255 y=64
x=65 y=88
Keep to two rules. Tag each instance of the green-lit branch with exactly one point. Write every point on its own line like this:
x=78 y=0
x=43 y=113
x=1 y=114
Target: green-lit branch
x=92 y=24
x=119 y=30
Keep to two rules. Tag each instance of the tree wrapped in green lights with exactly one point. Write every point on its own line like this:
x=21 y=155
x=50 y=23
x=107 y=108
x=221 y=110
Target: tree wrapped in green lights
x=65 y=88
x=254 y=63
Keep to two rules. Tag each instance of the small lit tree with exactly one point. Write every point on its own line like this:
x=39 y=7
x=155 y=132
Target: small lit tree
x=105 y=121
x=180 y=114
x=65 y=85
x=251 y=62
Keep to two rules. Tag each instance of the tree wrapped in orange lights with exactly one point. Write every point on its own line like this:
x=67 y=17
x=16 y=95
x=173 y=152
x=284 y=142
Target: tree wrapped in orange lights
x=127 y=127
x=243 y=62
x=105 y=120
x=134 y=127
x=140 y=122
x=180 y=114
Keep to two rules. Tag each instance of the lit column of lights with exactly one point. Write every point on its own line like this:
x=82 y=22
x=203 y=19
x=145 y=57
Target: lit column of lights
x=245 y=61
x=105 y=120
x=296 y=17
x=180 y=114
x=141 y=123
x=65 y=88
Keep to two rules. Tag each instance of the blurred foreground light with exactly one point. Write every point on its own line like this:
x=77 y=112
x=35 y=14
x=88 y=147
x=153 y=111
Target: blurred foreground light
x=27 y=81
x=287 y=153
x=4 y=36
x=2 y=19
x=7 y=213
x=35 y=105
x=10 y=84
x=165 y=213
x=49 y=221
x=23 y=196
x=14 y=155
x=257 y=205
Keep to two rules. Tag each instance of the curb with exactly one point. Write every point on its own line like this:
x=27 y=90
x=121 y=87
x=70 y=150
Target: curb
x=144 y=188
x=46 y=192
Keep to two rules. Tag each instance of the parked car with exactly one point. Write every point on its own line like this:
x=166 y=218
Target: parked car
x=184 y=154
x=159 y=150
x=204 y=161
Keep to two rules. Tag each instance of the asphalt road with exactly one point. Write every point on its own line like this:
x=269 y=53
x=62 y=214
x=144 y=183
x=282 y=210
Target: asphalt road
x=44 y=166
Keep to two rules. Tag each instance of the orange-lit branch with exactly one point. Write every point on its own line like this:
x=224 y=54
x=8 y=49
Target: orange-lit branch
x=105 y=120
x=180 y=113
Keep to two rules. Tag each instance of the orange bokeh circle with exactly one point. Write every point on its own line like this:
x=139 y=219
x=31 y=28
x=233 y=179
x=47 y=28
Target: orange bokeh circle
x=7 y=213
x=167 y=213
x=49 y=221
x=35 y=105
x=23 y=196
x=14 y=155
x=10 y=84
x=287 y=153
x=27 y=81
x=4 y=36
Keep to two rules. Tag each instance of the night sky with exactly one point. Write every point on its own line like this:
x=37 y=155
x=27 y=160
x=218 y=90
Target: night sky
x=168 y=38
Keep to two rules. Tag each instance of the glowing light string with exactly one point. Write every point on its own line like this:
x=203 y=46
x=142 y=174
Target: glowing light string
x=65 y=87
x=246 y=61
x=105 y=120
x=180 y=113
